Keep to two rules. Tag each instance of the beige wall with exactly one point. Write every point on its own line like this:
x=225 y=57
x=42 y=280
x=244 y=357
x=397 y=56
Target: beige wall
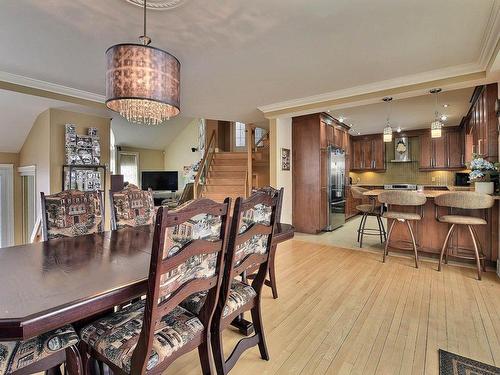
x=149 y=160
x=178 y=153
x=12 y=158
x=36 y=151
x=281 y=137
x=58 y=119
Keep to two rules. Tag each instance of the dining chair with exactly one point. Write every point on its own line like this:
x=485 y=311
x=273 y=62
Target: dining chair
x=464 y=200
x=131 y=207
x=71 y=213
x=410 y=199
x=187 y=257
x=46 y=352
x=249 y=243
x=272 y=253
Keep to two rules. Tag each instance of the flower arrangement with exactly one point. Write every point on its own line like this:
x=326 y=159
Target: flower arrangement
x=481 y=169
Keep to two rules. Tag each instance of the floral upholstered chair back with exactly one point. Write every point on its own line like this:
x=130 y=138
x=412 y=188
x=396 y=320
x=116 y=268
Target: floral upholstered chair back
x=256 y=219
x=132 y=207
x=71 y=213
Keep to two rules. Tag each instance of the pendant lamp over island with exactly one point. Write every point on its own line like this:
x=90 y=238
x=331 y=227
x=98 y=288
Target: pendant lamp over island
x=388 y=128
x=436 y=125
x=142 y=82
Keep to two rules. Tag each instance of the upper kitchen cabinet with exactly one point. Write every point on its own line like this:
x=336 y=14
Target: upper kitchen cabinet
x=444 y=153
x=481 y=124
x=368 y=153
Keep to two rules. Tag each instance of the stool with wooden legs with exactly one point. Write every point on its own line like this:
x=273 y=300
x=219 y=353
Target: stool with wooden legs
x=372 y=209
x=464 y=200
x=407 y=199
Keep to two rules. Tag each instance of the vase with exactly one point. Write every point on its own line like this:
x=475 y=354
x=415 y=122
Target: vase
x=484 y=187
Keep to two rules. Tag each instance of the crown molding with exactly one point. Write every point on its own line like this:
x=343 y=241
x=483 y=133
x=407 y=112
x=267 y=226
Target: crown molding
x=50 y=87
x=488 y=47
x=389 y=84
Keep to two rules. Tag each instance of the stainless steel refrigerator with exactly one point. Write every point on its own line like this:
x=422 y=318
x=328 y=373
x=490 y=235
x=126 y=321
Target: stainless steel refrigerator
x=336 y=188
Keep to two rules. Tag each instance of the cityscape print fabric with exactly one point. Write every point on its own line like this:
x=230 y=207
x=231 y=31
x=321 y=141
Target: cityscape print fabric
x=133 y=207
x=15 y=355
x=115 y=336
x=202 y=266
x=260 y=214
x=73 y=213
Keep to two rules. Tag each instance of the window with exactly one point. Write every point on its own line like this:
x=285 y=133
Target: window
x=240 y=134
x=259 y=133
x=129 y=167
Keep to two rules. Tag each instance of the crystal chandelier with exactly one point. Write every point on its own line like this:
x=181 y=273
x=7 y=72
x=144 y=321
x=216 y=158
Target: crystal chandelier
x=388 y=128
x=142 y=82
x=436 y=125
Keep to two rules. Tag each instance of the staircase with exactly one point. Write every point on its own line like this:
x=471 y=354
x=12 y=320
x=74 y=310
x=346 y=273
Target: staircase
x=226 y=176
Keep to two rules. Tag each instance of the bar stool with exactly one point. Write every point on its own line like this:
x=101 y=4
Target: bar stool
x=366 y=210
x=402 y=198
x=465 y=200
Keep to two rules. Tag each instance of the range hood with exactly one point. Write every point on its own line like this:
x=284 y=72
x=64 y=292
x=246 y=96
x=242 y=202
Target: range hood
x=401 y=150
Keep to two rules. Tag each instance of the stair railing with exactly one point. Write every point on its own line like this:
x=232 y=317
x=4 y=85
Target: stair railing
x=250 y=141
x=260 y=142
x=201 y=176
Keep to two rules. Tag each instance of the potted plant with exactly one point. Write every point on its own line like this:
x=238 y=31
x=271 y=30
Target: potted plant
x=480 y=173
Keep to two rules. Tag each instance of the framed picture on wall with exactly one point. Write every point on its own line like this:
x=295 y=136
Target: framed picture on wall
x=285 y=159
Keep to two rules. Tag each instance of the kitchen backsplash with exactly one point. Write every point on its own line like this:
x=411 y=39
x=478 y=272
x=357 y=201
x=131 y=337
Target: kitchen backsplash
x=404 y=172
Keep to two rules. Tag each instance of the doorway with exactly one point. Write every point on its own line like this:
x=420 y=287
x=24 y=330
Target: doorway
x=6 y=205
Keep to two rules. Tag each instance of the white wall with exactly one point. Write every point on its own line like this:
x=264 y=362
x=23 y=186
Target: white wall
x=283 y=137
x=178 y=152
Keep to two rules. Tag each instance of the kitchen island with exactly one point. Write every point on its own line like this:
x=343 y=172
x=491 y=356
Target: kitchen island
x=430 y=233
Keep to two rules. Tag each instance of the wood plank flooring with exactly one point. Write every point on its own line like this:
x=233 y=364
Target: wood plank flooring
x=342 y=311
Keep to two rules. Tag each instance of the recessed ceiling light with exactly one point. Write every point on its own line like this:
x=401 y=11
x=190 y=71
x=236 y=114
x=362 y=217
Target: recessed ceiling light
x=444 y=117
x=446 y=105
x=328 y=111
x=398 y=129
x=359 y=133
x=341 y=119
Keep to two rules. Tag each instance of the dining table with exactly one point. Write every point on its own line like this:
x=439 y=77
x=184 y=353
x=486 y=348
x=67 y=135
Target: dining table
x=48 y=284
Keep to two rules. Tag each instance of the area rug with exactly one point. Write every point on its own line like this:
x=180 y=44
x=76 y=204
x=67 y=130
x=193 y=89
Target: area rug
x=453 y=364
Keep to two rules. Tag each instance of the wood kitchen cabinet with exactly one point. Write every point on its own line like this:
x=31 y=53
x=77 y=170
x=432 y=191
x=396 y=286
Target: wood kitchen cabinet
x=368 y=153
x=444 y=153
x=481 y=124
x=311 y=136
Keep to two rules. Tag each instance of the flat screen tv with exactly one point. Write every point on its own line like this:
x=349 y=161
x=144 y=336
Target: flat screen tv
x=160 y=180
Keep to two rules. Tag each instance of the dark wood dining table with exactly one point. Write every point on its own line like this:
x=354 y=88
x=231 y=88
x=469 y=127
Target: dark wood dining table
x=46 y=285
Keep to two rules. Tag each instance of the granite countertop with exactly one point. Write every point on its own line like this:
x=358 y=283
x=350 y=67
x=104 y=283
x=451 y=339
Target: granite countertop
x=427 y=193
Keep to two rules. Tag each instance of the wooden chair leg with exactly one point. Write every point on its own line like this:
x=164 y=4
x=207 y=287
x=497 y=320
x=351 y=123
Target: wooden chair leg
x=386 y=248
x=203 y=352
x=445 y=248
x=54 y=371
x=259 y=330
x=272 y=271
x=218 y=352
x=476 y=251
x=413 y=242
x=73 y=361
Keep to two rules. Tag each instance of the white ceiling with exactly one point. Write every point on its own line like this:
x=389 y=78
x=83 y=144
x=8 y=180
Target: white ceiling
x=238 y=55
x=411 y=113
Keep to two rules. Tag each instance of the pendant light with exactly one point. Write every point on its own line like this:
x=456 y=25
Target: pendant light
x=142 y=82
x=388 y=128
x=436 y=125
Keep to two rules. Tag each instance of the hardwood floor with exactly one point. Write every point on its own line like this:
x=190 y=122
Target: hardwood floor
x=343 y=311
